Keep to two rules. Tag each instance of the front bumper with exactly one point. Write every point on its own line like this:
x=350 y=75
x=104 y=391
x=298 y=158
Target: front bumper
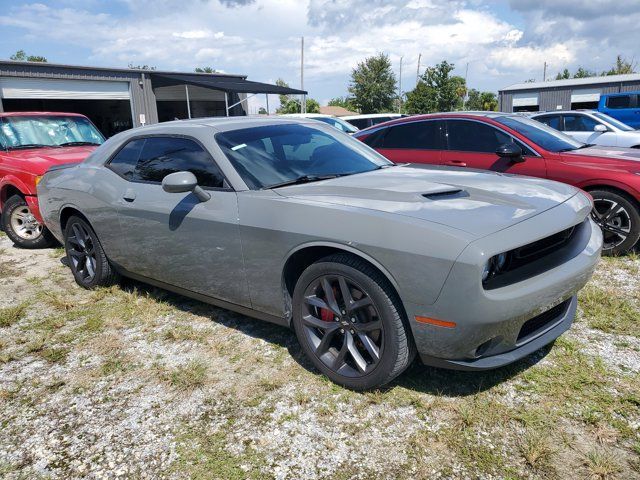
x=34 y=207
x=489 y=323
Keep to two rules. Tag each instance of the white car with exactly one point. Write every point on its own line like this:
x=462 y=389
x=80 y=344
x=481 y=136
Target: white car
x=591 y=127
x=330 y=119
x=370 y=119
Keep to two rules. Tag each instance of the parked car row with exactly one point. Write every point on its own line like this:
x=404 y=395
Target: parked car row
x=294 y=222
x=509 y=143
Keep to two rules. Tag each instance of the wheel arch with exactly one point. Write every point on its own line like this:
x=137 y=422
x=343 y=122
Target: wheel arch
x=619 y=189
x=299 y=258
x=10 y=187
x=67 y=212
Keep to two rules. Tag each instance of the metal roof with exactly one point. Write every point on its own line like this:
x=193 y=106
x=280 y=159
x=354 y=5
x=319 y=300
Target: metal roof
x=15 y=63
x=573 y=82
x=226 y=84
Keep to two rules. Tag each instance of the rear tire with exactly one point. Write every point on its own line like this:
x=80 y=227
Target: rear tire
x=619 y=218
x=21 y=227
x=357 y=335
x=86 y=258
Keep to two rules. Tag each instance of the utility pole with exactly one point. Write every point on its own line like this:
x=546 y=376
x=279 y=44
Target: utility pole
x=400 y=89
x=418 y=71
x=466 y=88
x=544 y=72
x=303 y=102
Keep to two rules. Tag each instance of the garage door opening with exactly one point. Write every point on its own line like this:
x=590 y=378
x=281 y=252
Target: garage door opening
x=110 y=116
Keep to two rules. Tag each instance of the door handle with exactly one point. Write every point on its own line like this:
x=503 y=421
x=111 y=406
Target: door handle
x=129 y=195
x=456 y=163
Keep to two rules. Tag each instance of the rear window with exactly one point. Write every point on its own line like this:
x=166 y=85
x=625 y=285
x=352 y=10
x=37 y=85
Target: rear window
x=552 y=120
x=414 y=135
x=619 y=101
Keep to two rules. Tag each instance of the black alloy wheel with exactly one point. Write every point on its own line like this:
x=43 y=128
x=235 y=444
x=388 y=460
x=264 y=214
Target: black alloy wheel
x=618 y=219
x=350 y=322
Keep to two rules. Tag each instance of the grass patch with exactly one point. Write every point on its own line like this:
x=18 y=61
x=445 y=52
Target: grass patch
x=186 y=377
x=536 y=449
x=54 y=355
x=8 y=269
x=602 y=465
x=204 y=455
x=610 y=313
x=12 y=315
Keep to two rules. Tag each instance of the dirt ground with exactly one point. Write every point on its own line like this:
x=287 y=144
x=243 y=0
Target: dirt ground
x=134 y=382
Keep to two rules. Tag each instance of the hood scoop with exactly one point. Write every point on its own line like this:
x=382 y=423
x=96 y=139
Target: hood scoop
x=446 y=194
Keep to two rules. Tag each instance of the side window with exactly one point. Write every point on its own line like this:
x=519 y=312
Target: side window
x=467 y=136
x=376 y=138
x=579 y=123
x=619 y=101
x=360 y=123
x=415 y=135
x=161 y=156
x=125 y=161
x=551 y=120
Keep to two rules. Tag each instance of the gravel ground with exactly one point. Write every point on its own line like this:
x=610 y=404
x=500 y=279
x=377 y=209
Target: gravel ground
x=133 y=382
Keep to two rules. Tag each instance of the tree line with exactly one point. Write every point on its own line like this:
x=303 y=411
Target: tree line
x=620 y=67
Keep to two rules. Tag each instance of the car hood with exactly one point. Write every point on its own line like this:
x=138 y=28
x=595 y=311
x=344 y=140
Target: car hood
x=605 y=158
x=38 y=160
x=474 y=201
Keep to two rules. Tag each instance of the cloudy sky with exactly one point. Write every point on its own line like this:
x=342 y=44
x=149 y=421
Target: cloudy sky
x=503 y=42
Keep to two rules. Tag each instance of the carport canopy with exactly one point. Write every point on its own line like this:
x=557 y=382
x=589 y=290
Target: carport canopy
x=227 y=84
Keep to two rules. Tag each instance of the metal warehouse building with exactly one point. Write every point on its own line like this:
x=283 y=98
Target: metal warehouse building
x=564 y=94
x=117 y=99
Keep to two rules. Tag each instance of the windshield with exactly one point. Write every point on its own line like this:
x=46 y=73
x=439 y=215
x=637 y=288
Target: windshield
x=276 y=154
x=337 y=123
x=612 y=121
x=47 y=131
x=541 y=134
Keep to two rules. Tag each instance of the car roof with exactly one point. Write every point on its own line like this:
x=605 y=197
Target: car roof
x=40 y=114
x=552 y=112
x=371 y=115
x=224 y=124
x=307 y=115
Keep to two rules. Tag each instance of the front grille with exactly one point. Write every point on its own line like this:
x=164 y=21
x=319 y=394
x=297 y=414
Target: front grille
x=533 y=251
x=539 y=256
x=542 y=321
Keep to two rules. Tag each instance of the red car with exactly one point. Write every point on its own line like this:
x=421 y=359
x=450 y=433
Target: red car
x=516 y=144
x=30 y=143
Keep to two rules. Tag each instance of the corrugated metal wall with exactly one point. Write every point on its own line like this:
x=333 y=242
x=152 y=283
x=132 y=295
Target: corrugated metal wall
x=142 y=97
x=551 y=98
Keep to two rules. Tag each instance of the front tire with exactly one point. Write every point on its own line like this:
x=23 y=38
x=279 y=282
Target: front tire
x=350 y=323
x=86 y=258
x=21 y=226
x=619 y=218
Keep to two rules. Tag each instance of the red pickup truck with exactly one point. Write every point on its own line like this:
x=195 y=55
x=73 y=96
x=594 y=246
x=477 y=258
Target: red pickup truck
x=30 y=143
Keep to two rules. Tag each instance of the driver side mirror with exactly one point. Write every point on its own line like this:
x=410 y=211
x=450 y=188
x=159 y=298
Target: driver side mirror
x=182 y=182
x=510 y=151
x=600 y=128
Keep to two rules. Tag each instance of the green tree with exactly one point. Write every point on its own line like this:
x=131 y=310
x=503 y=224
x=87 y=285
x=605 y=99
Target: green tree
x=373 y=85
x=293 y=106
x=283 y=98
x=564 y=75
x=437 y=91
x=621 y=67
x=262 y=111
x=344 y=102
x=141 y=67
x=205 y=70
x=21 y=56
x=584 y=73
x=484 y=101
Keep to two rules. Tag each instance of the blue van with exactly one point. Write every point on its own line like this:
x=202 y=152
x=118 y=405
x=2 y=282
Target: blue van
x=622 y=106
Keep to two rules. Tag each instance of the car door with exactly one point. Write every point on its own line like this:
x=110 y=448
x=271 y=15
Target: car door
x=472 y=143
x=174 y=237
x=412 y=142
x=582 y=128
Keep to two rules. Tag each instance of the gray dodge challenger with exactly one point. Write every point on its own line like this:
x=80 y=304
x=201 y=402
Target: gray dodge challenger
x=294 y=222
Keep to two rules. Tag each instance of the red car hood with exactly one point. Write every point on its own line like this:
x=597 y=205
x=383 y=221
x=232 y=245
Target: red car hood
x=38 y=160
x=607 y=158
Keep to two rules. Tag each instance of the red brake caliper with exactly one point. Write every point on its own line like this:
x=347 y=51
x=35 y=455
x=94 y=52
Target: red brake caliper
x=326 y=315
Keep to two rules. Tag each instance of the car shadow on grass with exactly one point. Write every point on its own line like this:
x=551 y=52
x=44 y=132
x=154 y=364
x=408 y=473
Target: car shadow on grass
x=418 y=377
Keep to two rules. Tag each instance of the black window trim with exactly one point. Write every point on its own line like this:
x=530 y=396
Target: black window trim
x=517 y=140
x=634 y=100
x=387 y=129
x=225 y=181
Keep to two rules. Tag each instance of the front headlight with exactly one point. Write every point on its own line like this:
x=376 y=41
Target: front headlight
x=495 y=265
